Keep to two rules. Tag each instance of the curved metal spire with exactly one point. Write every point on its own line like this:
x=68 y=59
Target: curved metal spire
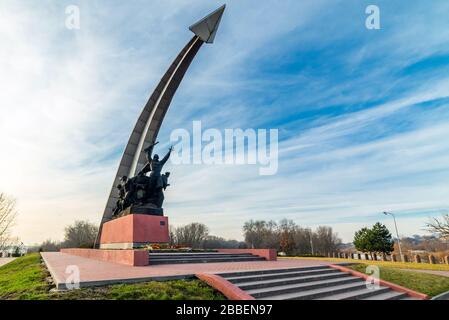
x=207 y=27
x=150 y=120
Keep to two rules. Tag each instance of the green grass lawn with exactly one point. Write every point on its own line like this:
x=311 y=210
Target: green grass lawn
x=429 y=284
x=25 y=278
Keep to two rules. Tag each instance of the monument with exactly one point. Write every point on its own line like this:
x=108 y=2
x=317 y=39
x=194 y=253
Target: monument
x=134 y=216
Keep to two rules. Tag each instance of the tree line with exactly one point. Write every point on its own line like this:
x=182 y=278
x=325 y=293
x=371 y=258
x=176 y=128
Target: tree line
x=196 y=236
x=288 y=237
x=283 y=236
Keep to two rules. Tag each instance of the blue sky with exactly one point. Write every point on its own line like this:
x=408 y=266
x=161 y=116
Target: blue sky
x=362 y=114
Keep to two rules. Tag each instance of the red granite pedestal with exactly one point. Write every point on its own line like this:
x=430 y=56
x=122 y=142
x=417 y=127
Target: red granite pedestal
x=134 y=231
x=124 y=239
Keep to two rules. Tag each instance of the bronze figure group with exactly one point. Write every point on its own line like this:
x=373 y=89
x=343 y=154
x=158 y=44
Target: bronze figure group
x=144 y=191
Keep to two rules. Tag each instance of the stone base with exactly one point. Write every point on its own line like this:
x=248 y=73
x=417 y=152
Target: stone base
x=143 y=209
x=142 y=257
x=134 y=231
x=136 y=258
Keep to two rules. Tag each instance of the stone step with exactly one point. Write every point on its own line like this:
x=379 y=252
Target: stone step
x=270 y=271
x=308 y=283
x=162 y=251
x=364 y=293
x=390 y=295
x=280 y=275
x=291 y=280
x=187 y=255
x=195 y=253
x=204 y=260
x=410 y=298
x=285 y=289
x=316 y=293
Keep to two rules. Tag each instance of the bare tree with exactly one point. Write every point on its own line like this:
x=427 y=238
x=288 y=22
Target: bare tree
x=191 y=235
x=172 y=235
x=302 y=238
x=289 y=237
x=261 y=234
x=8 y=216
x=287 y=231
x=325 y=240
x=81 y=234
x=253 y=231
x=441 y=227
x=214 y=242
x=49 y=246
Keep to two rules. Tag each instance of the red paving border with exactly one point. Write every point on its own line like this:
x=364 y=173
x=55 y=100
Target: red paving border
x=228 y=289
x=393 y=286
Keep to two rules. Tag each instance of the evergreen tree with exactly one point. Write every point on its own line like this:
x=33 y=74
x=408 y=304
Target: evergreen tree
x=375 y=240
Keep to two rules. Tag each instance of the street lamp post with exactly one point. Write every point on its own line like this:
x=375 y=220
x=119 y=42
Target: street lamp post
x=311 y=241
x=397 y=233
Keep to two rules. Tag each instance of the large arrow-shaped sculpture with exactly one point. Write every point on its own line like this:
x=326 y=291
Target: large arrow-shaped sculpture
x=150 y=120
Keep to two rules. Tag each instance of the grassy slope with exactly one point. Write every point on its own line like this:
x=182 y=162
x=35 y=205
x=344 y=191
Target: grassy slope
x=25 y=278
x=429 y=284
x=398 y=265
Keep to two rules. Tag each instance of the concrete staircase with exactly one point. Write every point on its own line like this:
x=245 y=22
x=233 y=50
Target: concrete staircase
x=312 y=283
x=208 y=257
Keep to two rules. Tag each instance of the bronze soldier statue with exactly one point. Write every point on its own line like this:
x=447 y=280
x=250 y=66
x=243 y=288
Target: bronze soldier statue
x=124 y=194
x=143 y=193
x=156 y=169
x=160 y=191
x=149 y=152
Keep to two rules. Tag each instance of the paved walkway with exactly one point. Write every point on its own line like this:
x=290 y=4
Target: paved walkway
x=4 y=261
x=95 y=272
